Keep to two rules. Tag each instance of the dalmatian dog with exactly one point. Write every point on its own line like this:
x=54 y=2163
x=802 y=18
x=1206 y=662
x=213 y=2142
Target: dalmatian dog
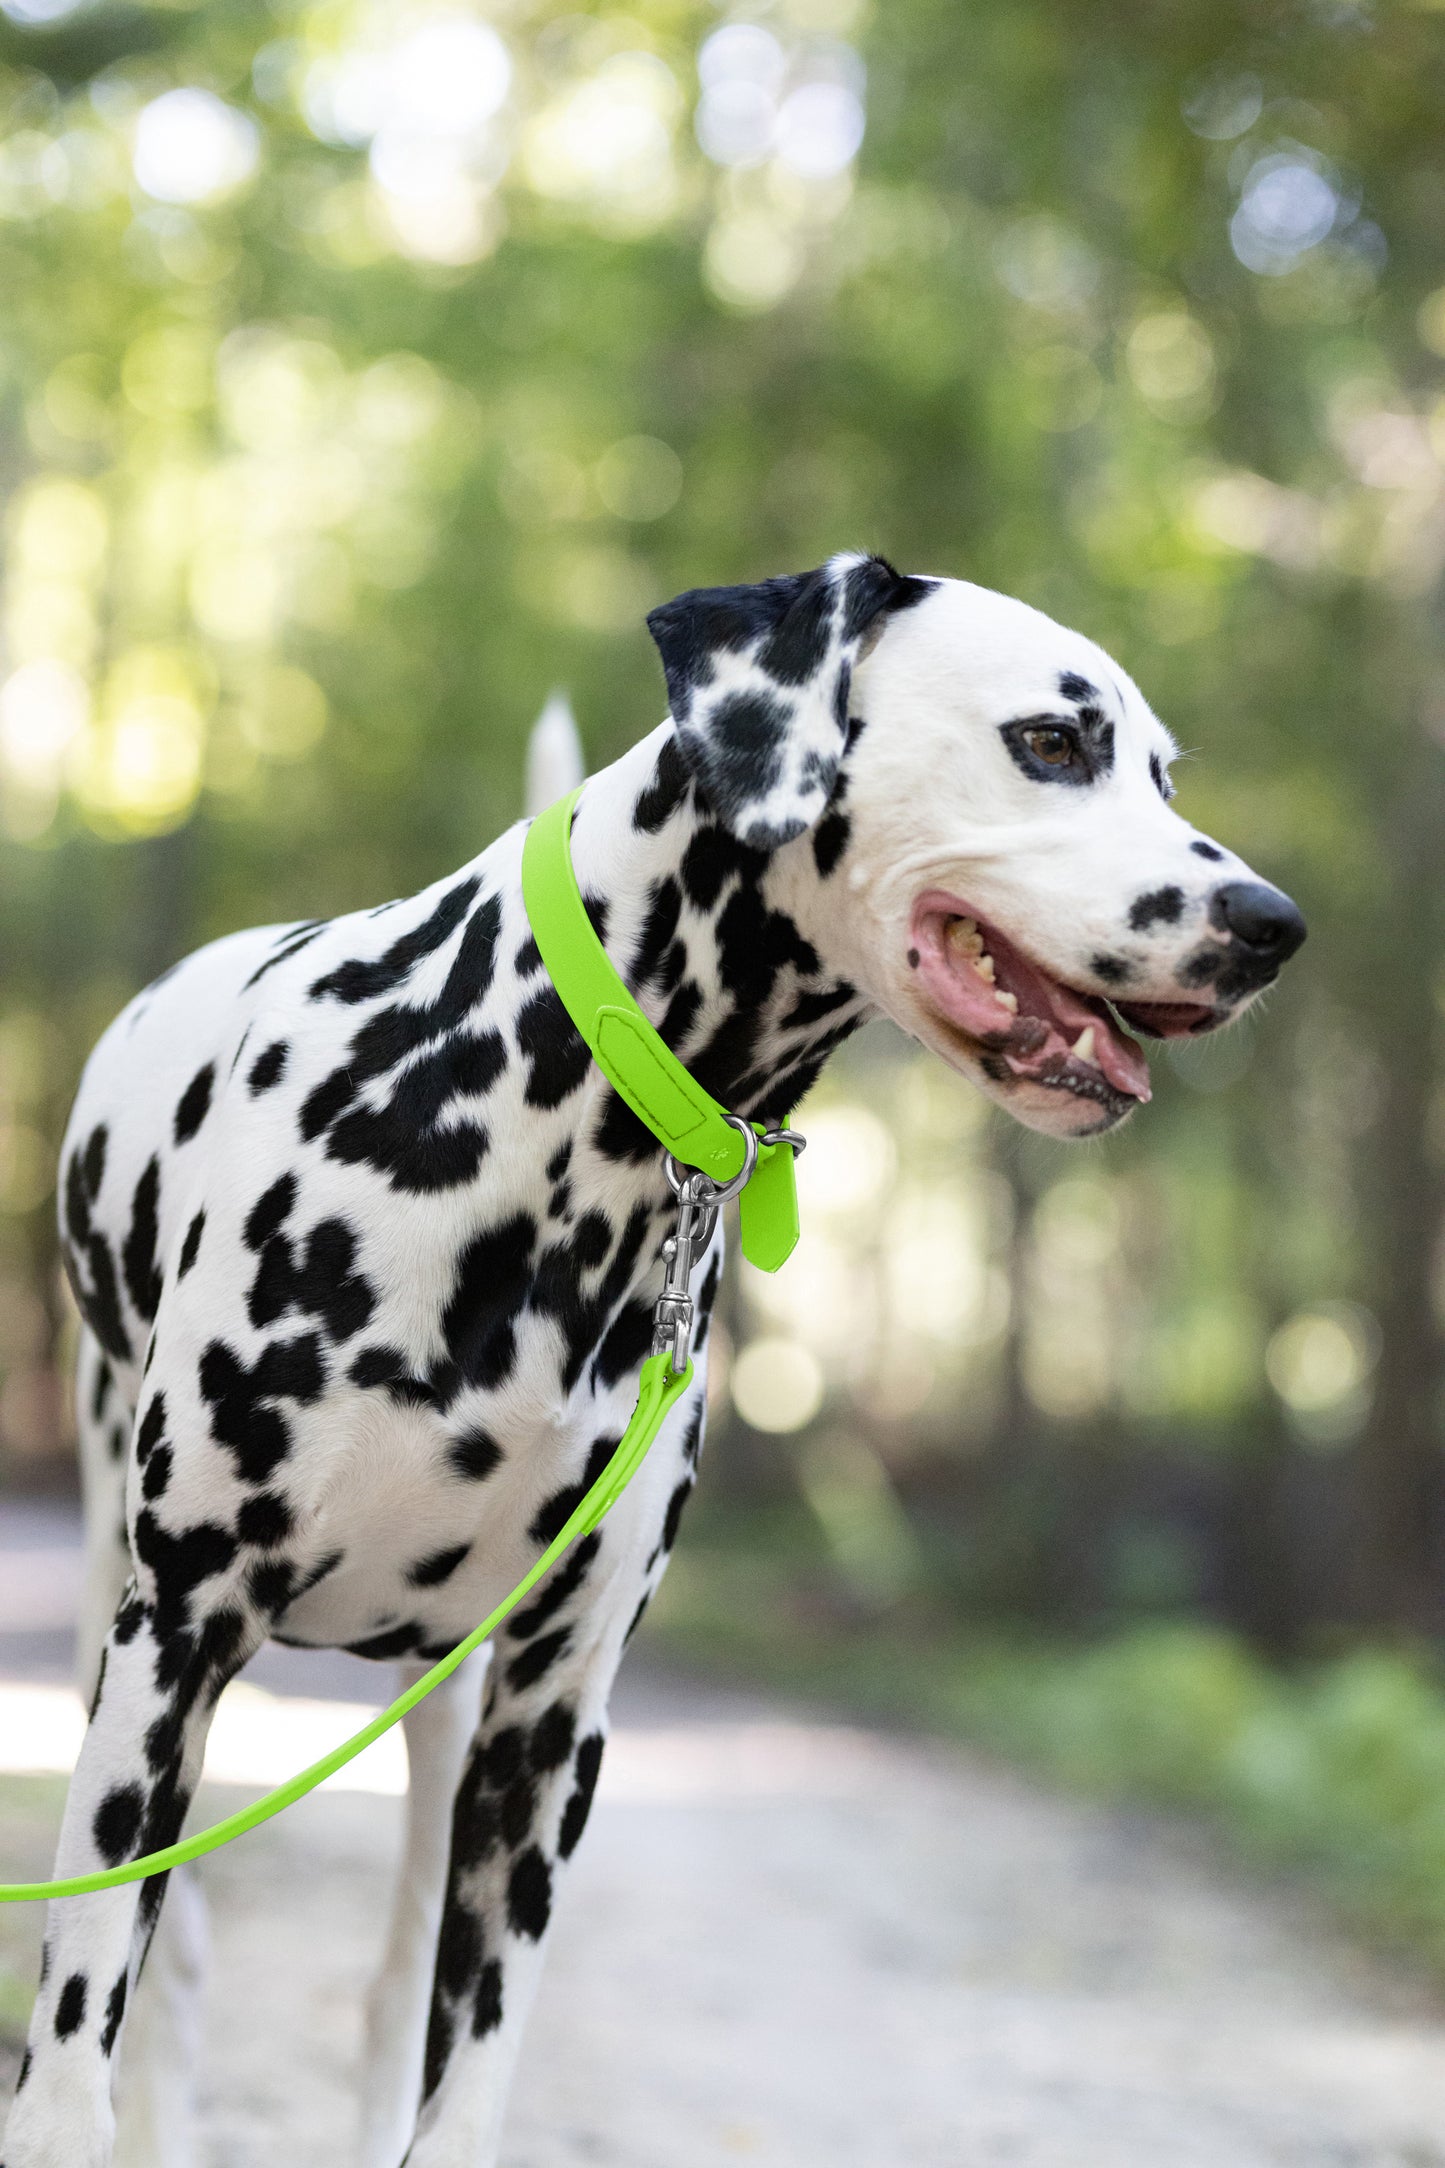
x=366 y=1250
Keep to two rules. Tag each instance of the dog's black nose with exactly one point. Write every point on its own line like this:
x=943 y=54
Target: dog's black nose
x=1260 y=918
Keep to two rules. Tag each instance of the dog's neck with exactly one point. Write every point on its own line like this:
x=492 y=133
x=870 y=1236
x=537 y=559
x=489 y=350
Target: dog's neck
x=724 y=946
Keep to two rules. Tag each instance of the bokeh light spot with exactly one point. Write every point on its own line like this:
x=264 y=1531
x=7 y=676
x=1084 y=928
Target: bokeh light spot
x=639 y=478
x=777 y=1385
x=191 y=147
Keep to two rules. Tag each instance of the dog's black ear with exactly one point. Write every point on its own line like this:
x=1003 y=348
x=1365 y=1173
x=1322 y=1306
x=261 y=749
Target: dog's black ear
x=758 y=680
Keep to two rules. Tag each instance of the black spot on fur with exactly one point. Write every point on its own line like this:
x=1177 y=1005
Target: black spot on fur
x=710 y=858
x=705 y=1300
x=364 y=981
x=561 y=1583
x=551 y=1518
x=291 y=943
x=476 y=1830
x=142 y=1275
x=558 y=1290
x=268 y=1068
x=93 y=1163
x=403 y=1138
x=322 y=1284
x=190 y=1248
x=830 y=840
x=242 y=1416
x=625 y=1345
x=459 y=1950
x=1159 y=778
x=438 y=2047
x=812 y=1008
x=591 y=1239
x=1076 y=688
x=271 y=1586
x=387 y=1366
x=682 y=1013
x=158 y=1473
x=1206 y=850
x=325 y=1101
x=114 y=2012
x=554 y=1049
x=529 y=1895
x=518 y=1807
x=535 y=1661
x=487 y=2007
x=439 y=1566
x=117 y=1822
x=598 y=913
x=659 y=929
x=1113 y=970
x=194 y=1103
x=665 y=793
x=271 y=1210
x=474 y=1455
x=675 y=1507
x=579 y=1806
x=150 y=1428
x=561 y=1159
x=382 y=1648
x=490 y=1287
x=552 y=1737
x=87 y=1255
x=1160 y=907
x=528 y=958
x=264 y=1520
x=70 y=2010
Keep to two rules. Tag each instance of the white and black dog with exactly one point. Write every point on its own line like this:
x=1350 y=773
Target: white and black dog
x=366 y=1250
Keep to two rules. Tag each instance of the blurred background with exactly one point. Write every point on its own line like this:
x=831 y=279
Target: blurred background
x=368 y=369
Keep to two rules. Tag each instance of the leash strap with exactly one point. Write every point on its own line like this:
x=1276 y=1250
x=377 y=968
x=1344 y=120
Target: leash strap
x=731 y=1158
x=659 y=1392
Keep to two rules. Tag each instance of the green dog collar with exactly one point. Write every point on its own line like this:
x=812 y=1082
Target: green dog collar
x=686 y=1120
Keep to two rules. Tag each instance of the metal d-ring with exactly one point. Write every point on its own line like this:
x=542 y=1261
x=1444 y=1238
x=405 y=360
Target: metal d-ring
x=791 y=1137
x=718 y=1192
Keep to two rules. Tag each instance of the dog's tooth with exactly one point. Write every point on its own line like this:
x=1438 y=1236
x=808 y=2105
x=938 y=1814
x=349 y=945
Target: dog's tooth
x=1006 y=1001
x=983 y=965
x=1083 y=1048
x=965 y=937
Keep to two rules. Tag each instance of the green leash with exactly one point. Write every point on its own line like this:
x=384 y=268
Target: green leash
x=696 y=1131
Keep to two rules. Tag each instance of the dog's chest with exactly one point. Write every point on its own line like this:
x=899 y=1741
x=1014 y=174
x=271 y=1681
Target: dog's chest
x=423 y=1524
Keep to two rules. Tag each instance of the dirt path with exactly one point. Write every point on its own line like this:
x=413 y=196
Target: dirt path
x=792 y=1945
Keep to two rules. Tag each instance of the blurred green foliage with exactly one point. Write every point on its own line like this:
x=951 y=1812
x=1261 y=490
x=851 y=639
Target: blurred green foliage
x=368 y=367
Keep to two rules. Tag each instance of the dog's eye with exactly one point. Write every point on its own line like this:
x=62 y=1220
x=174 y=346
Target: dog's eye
x=1049 y=751
x=1055 y=748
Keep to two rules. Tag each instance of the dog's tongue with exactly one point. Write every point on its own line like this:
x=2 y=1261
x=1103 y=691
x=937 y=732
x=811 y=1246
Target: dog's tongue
x=1050 y=1019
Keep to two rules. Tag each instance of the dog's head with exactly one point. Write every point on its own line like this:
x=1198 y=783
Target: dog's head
x=993 y=857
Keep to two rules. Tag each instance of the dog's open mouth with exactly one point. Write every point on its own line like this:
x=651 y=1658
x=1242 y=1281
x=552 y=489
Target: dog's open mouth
x=1030 y=1024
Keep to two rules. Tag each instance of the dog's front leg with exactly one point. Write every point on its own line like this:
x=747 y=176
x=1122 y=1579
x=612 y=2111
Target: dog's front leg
x=520 y=1809
x=138 y=1766
x=438 y=1733
x=155 y=2090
